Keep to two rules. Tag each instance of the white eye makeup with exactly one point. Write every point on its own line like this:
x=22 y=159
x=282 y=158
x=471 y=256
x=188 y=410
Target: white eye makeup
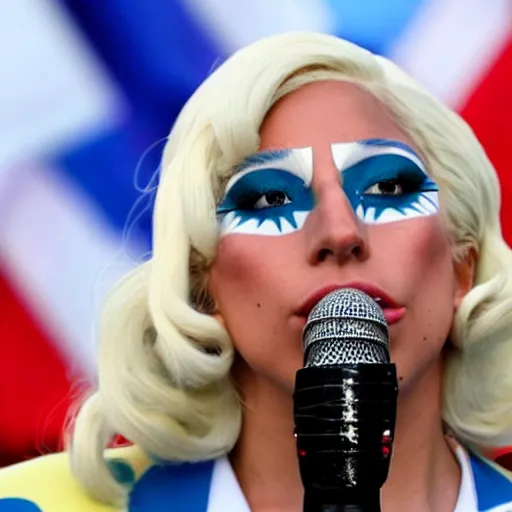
x=385 y=181
x=270 y=193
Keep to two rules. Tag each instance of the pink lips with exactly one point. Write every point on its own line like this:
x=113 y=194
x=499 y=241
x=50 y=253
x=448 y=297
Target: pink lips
x=393 y=312
x=393 y=316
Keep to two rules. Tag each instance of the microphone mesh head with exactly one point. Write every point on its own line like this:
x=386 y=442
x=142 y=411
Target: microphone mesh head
x=346 y=326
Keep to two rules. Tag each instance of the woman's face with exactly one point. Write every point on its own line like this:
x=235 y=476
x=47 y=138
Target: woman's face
x=311 y=212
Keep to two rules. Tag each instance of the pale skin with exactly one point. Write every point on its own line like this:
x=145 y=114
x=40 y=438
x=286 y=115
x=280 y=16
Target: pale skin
x=259 y=282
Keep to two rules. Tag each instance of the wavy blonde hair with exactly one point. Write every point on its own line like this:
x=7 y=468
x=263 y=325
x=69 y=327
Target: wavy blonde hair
x=164 y=362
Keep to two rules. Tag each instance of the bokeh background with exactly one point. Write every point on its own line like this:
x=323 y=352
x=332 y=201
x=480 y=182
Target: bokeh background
x=88 y=92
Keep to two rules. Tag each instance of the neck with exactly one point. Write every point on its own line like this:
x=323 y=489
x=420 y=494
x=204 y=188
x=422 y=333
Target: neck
x=424 y=474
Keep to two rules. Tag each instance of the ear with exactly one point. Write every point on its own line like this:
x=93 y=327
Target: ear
x=464 y=275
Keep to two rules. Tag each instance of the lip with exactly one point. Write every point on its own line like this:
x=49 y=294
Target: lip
x=393 y=311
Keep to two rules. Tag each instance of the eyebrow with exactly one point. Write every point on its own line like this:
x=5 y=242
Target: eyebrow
x=390 y=143
x=262 y=157
x=272 y=156
x=346 y=155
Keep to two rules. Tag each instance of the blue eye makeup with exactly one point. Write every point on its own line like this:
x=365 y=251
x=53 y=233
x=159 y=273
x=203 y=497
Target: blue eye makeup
x=269 y=195
x=385 y=181
x=270 y=192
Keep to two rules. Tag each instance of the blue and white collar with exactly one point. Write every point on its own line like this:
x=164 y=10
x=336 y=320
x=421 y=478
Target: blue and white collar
x=213 y=487
x=225 y=492
x=482 y=487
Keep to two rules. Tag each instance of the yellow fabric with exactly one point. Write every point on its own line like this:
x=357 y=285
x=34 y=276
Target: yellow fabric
x=47 y=482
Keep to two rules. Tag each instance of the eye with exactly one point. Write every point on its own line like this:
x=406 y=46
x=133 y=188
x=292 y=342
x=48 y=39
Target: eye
x=271 y=199
x=395 y=187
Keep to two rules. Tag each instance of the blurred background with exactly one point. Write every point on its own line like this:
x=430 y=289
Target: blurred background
x=88 y=91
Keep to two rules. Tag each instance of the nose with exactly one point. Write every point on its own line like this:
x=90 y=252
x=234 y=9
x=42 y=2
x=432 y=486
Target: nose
x=334 y=230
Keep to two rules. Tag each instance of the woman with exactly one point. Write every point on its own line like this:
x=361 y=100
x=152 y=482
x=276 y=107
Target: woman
x=303 y=164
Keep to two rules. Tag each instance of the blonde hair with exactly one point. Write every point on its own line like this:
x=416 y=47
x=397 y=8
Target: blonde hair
x=164 y=362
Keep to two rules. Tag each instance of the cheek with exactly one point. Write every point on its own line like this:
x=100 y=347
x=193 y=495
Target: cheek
x=251 y=281
x=430 y=264
x=242 y=262
x=421 y=271
x=416 y=249
x=249 y=276
x=430 y=259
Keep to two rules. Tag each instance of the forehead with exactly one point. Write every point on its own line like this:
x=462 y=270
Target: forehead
x=320 y=113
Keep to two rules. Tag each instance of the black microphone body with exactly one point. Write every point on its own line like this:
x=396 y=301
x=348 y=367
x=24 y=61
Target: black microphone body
x=345 y=412
x=344 y=418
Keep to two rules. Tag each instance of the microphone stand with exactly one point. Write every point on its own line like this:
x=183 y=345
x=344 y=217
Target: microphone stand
x=344 y=427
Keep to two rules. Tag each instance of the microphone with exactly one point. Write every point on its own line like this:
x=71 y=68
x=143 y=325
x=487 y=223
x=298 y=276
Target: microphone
x=345 y=404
